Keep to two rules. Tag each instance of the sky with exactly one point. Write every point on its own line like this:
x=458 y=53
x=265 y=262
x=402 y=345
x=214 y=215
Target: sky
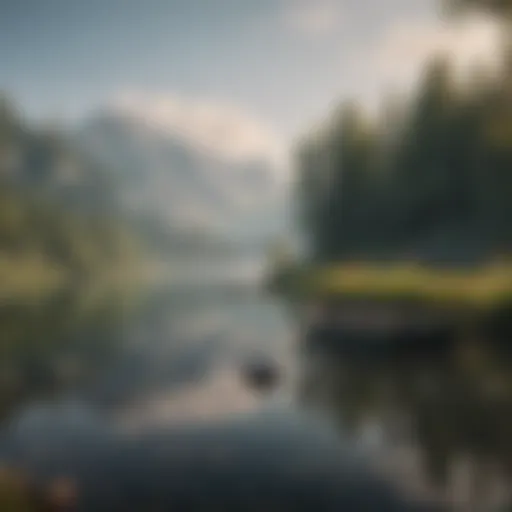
x=281 y=64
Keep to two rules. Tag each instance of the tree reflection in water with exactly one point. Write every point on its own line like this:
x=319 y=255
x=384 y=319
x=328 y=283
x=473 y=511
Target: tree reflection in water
x=449 y=402
x=49 y=347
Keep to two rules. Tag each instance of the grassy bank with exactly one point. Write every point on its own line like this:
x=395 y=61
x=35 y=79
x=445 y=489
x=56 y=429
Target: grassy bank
x=486 y=287
x=29 y=277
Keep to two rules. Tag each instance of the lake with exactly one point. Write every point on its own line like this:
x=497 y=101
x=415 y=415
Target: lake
x=160 y=417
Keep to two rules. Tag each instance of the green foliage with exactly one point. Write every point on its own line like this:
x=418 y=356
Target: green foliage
x=428 y=181
x=68 y=260
x=479 y=290
x=58 y=224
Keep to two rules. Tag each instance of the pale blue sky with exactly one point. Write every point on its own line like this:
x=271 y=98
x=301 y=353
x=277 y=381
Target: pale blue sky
x=285 y=61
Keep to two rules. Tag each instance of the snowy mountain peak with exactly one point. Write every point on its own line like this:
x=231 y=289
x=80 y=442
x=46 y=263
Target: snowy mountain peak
x=191 y=164
x=221 y=131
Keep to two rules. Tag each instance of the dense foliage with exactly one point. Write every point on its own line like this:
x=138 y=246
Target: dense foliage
x=68 y=260
x=58 y=220
x=429 y=180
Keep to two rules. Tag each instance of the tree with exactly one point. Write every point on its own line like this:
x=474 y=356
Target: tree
x=441 y=179
x=500 y=8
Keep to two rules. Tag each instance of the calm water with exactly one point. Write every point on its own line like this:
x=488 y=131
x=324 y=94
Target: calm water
x=162 y=420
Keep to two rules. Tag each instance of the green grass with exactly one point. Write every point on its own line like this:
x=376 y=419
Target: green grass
x=32 y=279
x=29 y=277
x=487 y=286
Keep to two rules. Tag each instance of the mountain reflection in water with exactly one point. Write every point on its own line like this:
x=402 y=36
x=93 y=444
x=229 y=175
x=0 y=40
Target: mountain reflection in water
x=167 y=423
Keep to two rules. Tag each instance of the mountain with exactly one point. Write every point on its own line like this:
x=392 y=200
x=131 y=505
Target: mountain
x=59 y=222
x=41 y=159
x=187 y=182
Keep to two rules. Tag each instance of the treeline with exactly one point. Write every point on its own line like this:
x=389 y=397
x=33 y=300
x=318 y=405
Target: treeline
x=58 y=221
x=429 y=179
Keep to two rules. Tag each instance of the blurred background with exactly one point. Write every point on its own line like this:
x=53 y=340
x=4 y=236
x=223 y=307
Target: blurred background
x=255 y=255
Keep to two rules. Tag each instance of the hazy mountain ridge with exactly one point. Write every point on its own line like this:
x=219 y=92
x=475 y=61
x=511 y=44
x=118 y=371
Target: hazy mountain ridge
x=162 y=174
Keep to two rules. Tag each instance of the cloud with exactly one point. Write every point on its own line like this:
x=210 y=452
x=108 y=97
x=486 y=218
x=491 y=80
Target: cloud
x=221 y=129
x=313 y=18
x=403 y=51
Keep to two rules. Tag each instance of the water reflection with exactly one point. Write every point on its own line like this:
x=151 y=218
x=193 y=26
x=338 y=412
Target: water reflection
x=270 y=459
x=50 y=346
x=168 y=422
x=439 y=413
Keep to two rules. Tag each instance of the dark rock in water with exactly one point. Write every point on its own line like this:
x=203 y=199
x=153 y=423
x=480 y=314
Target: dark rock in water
x=262 y=375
